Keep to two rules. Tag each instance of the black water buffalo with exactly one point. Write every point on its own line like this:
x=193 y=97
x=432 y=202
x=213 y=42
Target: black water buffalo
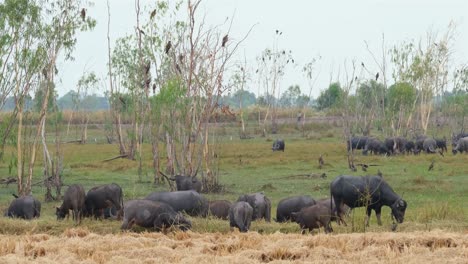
x=375 y=146
x=278 y=145
x=185 y=183
x=26 y=207
x=260 y=203
x=429 y=145
x=356 y=143
x=441 y=144
x=290 y=205
x=395 y=144
x=410 y=147
x=328 y=202
x=73 y=199
x=455 y=138
x=314 y=216
x=240 y=216
x=219 y=208
x=462 y=146
x=370 y=191
x=191 y=202
x=101 y=197
x=419 y=142
x=151 y=214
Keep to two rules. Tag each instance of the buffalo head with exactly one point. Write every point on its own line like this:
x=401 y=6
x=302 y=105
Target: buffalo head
x=398 y=210
x=60 y=213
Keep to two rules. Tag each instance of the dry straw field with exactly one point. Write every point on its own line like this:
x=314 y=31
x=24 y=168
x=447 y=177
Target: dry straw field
x=81 y=246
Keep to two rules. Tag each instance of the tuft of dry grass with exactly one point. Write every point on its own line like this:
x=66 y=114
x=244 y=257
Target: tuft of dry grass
x=234 y=247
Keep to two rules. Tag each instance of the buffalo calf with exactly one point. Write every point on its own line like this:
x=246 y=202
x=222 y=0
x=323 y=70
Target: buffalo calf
x=312 y=217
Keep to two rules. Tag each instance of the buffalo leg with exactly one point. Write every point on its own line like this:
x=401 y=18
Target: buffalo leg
x=378 y=212
x=369 y=211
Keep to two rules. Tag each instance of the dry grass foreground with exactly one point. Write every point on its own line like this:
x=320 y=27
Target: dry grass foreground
x=81 y=246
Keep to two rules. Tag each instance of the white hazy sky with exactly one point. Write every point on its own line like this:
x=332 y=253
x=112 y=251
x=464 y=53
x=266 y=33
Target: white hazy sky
x=334 y=29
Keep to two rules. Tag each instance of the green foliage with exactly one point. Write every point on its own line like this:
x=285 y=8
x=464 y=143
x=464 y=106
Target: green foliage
x=370 y=94
x=233 y=100
x=401 y=96
x=331 y=97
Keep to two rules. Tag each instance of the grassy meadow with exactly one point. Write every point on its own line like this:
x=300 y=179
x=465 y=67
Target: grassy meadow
x=435 y=227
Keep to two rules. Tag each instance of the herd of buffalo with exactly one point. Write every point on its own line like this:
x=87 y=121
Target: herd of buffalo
x=401 y=145
x=159 y=210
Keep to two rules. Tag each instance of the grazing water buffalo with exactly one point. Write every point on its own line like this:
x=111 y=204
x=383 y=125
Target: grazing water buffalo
x=219 y=208
x=328 y=202
x=191 y=202
x=418 y=142
x=73 y=199
x=462 y=145
x=429 y=145
x=260 y=203
x=455 y=138
x=151 y=214
x=26 y=207
x=395 y=144
x=370 y=191
x=441 y=144
x=375 y=146
x=185 y=183
x=356 y=143
x=314 y=216
x=278 y=145
x=240 y=216
x=410 y=147
x=101 y=197
x=291 y=205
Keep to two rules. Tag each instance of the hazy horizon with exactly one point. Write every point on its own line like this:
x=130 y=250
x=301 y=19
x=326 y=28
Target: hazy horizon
x=335 y=30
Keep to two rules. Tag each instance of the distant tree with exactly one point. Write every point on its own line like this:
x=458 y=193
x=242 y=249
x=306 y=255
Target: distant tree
x=330 y=97
x=290 y=96
x=370 y=98
x=401 y=99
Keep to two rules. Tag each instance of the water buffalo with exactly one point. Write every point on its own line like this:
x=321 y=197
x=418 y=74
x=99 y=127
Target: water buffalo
x=191 y=202
x=26 y=207
x=462 y=145
x=356 y=143
x=185 y=183
x=395 y=144
x=73 y=199
x=328 y=202
x=260 y=203
x=151 y=214
x=278 y=145
x=314 y=216
x=429 y=145
x=410 y=147
x=455 y=138
x=441 y=144
x=375 y=146
x=419 y=142
x=101 y=197
x=369 y=191
x=290 y=205
x=240 y=216
x=219 y=208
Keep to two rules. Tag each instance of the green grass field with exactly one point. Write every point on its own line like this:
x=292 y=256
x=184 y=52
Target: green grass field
x=437 y=199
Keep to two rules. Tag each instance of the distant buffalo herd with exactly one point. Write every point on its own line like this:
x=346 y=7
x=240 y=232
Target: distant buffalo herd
x=401 y=145
x=160 y=210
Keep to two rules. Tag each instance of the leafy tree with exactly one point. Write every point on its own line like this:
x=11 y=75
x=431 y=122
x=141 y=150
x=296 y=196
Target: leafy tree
x=290 y=97
x=330 y=97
